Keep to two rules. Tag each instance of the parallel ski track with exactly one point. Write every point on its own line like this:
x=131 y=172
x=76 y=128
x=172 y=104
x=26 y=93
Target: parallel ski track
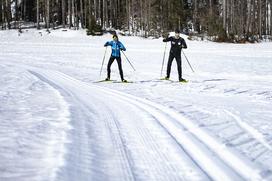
x=216 y=160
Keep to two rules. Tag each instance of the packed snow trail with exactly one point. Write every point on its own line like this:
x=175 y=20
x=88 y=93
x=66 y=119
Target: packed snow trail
x=114 y=141
x=229 y=98
x=34 y=120
x=118 y=144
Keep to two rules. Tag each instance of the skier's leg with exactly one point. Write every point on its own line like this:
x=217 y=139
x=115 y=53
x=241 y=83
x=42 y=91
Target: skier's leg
x=179 y=66
x=169 y=64
x=120 y=68
x=109 y=66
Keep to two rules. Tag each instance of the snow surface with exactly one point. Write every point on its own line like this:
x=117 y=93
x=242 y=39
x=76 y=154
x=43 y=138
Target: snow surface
x=58 y=123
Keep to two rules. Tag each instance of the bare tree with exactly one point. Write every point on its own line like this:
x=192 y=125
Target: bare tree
x=63 y=12
x=229 y=18
x=38 y=14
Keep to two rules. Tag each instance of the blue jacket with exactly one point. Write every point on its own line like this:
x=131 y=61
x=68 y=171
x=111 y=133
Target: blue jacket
x=116 y=46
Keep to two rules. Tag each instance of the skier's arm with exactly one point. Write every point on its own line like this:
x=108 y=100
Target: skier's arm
x=184 y=45
x=167 y=39
x=122 y=47
x=108 y=43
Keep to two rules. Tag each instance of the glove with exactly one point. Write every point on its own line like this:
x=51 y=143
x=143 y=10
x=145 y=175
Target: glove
x=165 y=35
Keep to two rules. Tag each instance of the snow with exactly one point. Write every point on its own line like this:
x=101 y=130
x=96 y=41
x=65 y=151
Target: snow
x=34 y=121
x=57 y=123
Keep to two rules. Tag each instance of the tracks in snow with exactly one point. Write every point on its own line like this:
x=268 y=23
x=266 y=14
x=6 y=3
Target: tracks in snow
x=213 y=159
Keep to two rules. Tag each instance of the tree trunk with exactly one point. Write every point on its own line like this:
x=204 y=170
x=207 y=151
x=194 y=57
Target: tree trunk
x=270 y=17
x=128 y=15
x=70 y=13
x=100 y=13
x=73 y=12
x=38 y=14
x=103 y=20
x=224 y=15
x=25 y=9
x=76 y=15
x=95 y=9
x=260 y=18
x=81 y=14
x=63 y=13
x=210 y=8
x=47 y=14
x=1 y=14
x=16 y=14
x=8 y=13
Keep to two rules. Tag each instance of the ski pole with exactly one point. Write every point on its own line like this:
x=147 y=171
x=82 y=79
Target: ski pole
x=188 y=62
x=103 y=61
x=128 y=61
x=163 y=57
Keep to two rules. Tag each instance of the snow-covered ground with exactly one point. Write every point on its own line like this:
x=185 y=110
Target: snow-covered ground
x=58 y=123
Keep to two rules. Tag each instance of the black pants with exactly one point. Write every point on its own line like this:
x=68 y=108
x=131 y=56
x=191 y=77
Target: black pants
x=119 y=66
x=178 y=60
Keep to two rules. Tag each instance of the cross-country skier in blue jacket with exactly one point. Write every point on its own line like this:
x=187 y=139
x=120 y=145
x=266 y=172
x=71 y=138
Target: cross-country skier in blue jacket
x=116 y=47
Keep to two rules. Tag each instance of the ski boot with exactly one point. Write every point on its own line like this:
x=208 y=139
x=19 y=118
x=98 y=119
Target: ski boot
x=183 y=80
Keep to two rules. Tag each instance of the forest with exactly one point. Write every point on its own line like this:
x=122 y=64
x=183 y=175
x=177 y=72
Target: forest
x=220 y=20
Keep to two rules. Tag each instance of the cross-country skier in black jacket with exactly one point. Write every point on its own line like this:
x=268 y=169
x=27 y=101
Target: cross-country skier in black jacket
x=177 y=43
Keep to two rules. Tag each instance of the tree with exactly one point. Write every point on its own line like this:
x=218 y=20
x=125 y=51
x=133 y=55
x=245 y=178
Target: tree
x=63 y=13
x=224 y=19
x=38 y=14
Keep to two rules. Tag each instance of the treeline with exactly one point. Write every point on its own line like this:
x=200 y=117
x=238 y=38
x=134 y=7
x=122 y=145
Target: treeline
x=221 y=20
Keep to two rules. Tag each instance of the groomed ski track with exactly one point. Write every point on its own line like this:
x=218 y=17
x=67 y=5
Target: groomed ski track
x=117 y=136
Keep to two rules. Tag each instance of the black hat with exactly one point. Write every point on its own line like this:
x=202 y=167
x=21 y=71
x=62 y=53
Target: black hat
x=177 y=31
x=115 y=36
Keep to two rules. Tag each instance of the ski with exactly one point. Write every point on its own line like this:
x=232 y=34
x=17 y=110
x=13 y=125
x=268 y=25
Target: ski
x=166 y=79
x=100 y=81
x=113 y=81
x=120 y=82
x=183 y=81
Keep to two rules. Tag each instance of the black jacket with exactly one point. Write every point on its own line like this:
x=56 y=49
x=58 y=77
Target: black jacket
x=176 y=45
